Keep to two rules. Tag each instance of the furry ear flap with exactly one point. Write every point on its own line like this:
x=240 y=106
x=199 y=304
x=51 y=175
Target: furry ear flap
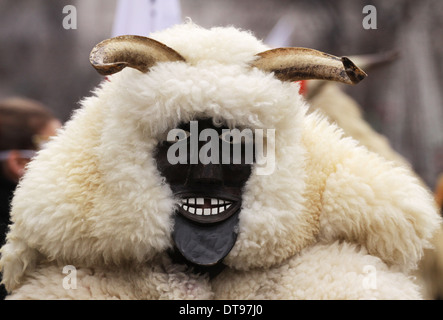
x=16 y=258
x=294 y=64
x=112 y=55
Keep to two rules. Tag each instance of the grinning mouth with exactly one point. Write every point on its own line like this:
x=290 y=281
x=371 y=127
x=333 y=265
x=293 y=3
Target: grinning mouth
x=207 y=209
x=205 y=206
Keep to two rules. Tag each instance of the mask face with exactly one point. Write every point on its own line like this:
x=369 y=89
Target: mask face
x=206 y=167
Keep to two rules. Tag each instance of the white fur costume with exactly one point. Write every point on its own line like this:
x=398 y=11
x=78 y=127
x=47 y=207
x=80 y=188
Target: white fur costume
x=329 y=219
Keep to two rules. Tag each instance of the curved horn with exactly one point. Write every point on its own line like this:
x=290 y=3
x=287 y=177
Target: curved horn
x=112 y=55
x=293 y=64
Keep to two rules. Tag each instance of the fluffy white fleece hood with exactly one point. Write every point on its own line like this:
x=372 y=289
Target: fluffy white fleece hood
x=94 y=196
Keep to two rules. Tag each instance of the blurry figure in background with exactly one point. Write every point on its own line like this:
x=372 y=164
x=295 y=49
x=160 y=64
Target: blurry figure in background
x=25 y=125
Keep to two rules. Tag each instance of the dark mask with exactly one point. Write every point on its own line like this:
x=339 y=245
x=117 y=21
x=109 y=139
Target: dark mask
x=208 y=180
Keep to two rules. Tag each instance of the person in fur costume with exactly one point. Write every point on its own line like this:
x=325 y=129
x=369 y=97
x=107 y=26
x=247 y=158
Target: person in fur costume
x=103 y=212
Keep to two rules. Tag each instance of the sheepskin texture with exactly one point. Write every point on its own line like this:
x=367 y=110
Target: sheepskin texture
x=331 y=213
x=330 y=99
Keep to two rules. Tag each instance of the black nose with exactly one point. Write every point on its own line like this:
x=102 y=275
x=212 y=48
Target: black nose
x=205 y=174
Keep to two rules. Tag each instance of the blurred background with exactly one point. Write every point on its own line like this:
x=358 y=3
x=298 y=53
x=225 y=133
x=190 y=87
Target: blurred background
x=42 y=60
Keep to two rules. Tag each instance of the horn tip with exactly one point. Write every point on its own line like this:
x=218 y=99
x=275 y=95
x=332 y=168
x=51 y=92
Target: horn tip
x=354 y=73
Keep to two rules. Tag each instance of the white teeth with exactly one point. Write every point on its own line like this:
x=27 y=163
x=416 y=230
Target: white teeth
x=194 y=206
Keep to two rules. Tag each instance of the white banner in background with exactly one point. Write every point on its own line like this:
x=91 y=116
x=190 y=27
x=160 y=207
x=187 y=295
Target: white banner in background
x=141 y=17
